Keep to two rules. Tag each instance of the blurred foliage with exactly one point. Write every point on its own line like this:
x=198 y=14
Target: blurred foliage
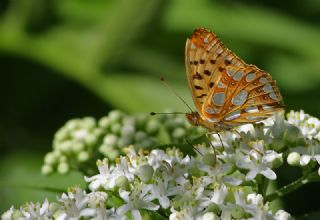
x=64 y=59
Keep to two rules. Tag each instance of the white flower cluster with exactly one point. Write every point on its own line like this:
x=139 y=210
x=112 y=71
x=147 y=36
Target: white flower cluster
x=221 y=181
x=304 y=153
x=76 y=204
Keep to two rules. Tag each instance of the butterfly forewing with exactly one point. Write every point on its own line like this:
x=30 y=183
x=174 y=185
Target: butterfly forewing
x=225 y=89
x=205 y=56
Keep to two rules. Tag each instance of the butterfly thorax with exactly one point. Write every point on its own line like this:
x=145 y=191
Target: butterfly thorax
x=195 y=119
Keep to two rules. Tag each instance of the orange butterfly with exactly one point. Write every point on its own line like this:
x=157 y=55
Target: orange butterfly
x=226 y=91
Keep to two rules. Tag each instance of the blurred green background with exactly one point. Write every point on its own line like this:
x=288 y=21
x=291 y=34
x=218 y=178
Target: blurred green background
x=62 y=59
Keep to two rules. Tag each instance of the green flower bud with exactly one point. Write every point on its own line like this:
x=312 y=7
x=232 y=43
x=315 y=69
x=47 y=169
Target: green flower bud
x=237 y=212
x=115 y=116
x=63 y=168
x=61 y=135
x=147 y=143
x=65 y=147
x=139 y=136
x=293 y=159
x=145 y=173
x=141 y=120
x=90 y=140
x=116 y=128
x=77 y=146
x=72 y=124
x=62 y=158
x=152 y=127
x=124 y=142
x=129 y=120
x=46 y=169
x=292 y=134
x=122 y=183
x=215 y=208
x=50 y=158
x=83 y=156
x=127 y=130
x=209 y=159
x=179 y=133
x=104 y=122
x=277 y=144
x=277 y=162
x=110 y=140
x=179 y=121
x=89 y=122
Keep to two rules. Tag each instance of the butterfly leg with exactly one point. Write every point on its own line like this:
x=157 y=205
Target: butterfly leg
x=213 y=132
x=194 y=148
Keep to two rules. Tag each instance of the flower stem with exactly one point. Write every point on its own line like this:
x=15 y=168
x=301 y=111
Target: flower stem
x=311 y=177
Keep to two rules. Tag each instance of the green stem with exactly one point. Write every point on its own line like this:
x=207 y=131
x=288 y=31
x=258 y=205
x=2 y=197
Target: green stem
x=311 y=177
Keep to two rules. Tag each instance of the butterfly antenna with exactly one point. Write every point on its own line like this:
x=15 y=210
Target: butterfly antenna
x=169 y=87
x=167 y=113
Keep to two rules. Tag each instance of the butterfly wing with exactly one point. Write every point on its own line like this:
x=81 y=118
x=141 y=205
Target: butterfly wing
x=225 y=89
x=205 y=55
x=243 y=95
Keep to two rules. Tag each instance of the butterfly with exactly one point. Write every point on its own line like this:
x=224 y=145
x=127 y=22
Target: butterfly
x=226 y=91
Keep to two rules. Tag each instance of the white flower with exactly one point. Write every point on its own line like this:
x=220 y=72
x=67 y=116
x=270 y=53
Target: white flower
x=8 y=214
x=217 y=196
x=308 y=153
x=160 y=191
x=135 y=200
x=31 y=210
x=184 y=214
x=282 y=215
x=309 y=126
x=259 y=162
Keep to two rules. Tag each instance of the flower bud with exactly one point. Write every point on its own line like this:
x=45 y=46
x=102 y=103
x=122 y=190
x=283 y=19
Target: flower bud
x=78 y=146
x=293 y=159
x=127 y=130
x=277 y=162
x=90 y=140
x=210 y=216
x=104 y=122
x=50 y=158
x=116 y=128
x=178 y=133
x=237 y=212
x=115 y=116
x=83 y=156
x=110 y=140
x=139 y=136
x=63 y=168
x=152 y=126
x=46 y=169
x=145 y=173
x=89 y=122
x=215 y=208
x=122 y=183
x=124 y=141
x=292 y=134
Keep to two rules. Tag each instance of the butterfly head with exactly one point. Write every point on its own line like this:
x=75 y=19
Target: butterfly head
x=194 y=118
